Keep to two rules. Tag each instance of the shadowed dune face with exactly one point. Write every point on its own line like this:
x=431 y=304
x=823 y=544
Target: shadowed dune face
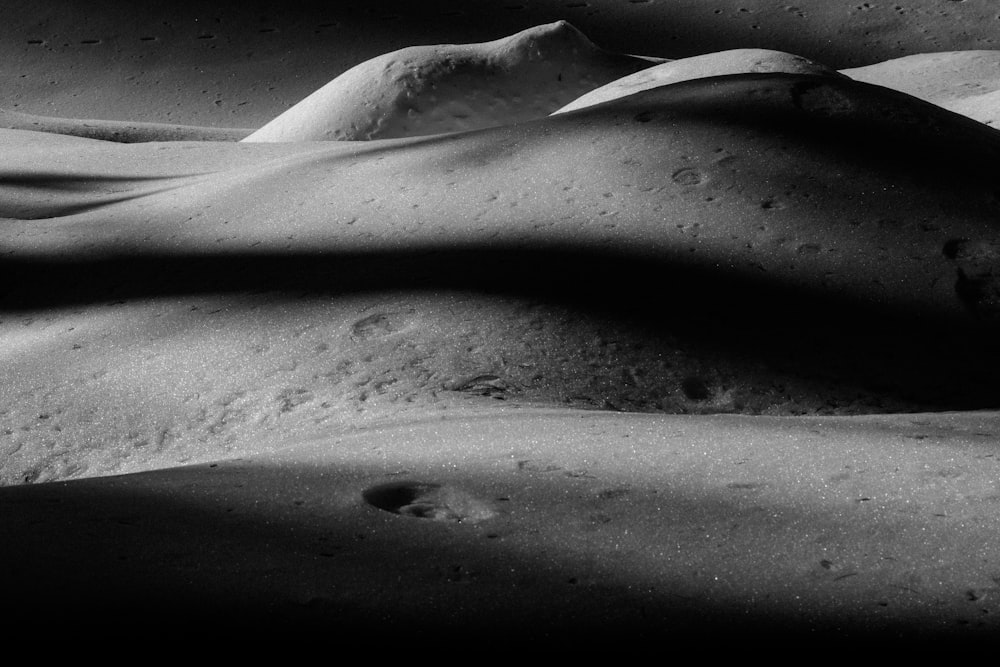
x=737 y=61
x=450 y=88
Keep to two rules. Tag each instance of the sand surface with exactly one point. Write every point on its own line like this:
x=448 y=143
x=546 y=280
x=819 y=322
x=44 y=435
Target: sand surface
x=711 y=352
x=542 y=525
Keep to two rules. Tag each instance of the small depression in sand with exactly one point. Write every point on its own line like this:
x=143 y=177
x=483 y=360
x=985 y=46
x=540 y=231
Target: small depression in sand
x=427 y=500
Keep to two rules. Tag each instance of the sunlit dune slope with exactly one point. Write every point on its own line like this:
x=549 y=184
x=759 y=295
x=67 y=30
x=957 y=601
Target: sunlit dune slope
x=736 y=61
x=450 y=88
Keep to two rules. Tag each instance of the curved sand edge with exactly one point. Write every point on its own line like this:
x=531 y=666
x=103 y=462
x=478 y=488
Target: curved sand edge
x=126 y=132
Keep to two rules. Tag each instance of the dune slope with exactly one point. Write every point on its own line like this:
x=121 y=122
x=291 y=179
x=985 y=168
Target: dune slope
x=781 y=244
x=736 y=61
x=453 y=87
x=966 y=82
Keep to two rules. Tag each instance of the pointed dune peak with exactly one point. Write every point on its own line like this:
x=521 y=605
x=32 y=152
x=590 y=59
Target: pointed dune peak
x=736 y=61
x=424 y=90
x=558 y=37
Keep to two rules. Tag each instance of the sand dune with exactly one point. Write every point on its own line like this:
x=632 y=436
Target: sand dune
x=966 y=82
x=451 y=88
x=387 y=390
x=736 y=61
x=241 y=64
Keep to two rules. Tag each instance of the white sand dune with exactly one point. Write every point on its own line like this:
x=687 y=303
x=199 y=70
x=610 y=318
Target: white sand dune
x=966 y=82
x=735 y=61
x=450 y=88
x=378 y=392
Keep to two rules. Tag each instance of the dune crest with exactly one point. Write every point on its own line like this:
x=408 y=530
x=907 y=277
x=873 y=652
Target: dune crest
x=735 y=61
x=453 y=87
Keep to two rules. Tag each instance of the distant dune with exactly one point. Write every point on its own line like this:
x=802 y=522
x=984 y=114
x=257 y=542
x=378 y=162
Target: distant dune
x=229 y=64
x=451 y=88
x=736 y=61
x=126 y=132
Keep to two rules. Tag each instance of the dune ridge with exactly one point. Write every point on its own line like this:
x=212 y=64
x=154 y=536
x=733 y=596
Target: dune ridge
x=736 y=61
x=450 y=88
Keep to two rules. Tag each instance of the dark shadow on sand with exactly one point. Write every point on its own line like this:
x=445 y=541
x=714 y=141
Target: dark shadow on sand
x=275 y=551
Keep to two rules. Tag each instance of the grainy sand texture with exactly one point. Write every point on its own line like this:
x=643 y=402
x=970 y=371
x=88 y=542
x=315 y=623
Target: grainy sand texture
x=579 y=326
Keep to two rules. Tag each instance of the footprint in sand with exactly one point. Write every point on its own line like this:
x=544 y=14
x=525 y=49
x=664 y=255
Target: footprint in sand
x=378 y=325
x=427 y=500
x=978 y=269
